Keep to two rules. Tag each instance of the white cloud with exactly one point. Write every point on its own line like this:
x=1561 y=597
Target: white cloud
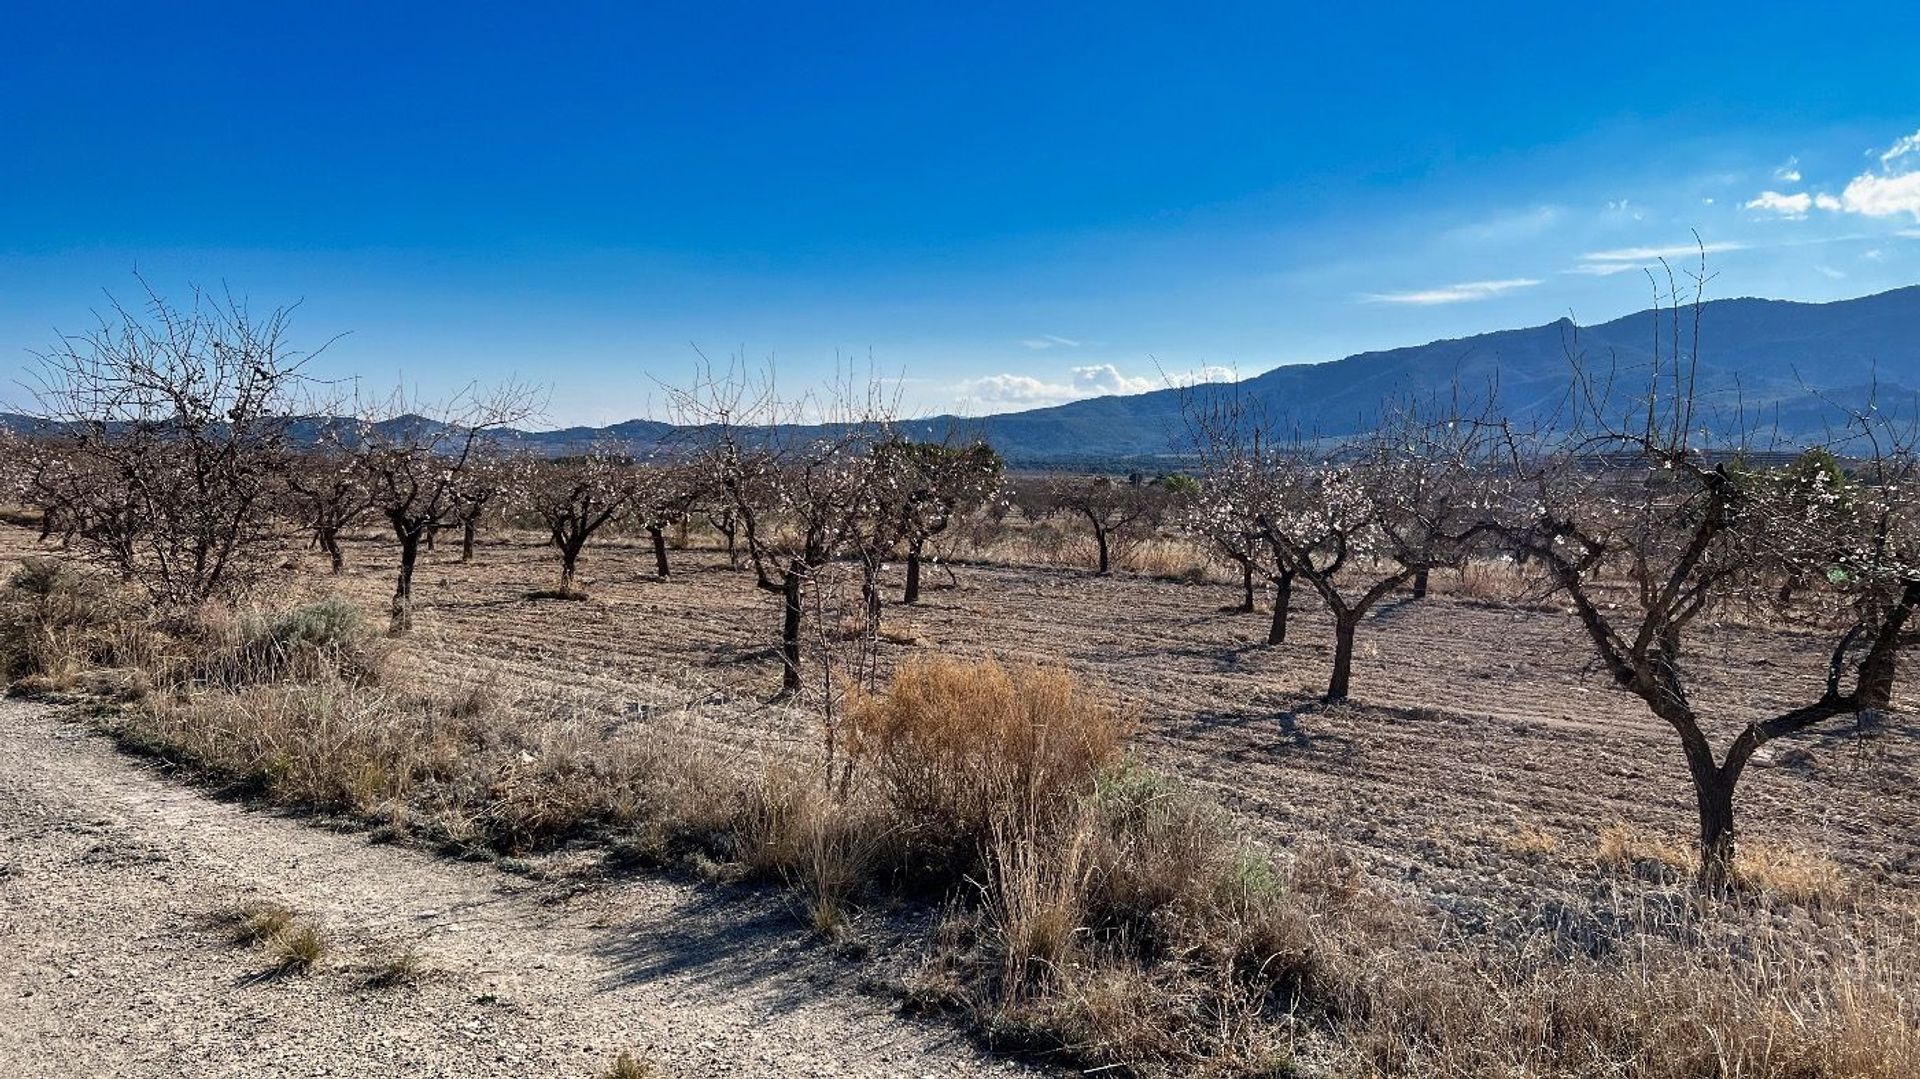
x=1603 y=269
x=1794 y=206
x=1892 y=190
x=1883 y=196
x=1911 y=234
x=1788 y=173
x=1874 y=255
x=1047 y=340
x=1655 y=254
x=1461 y=293
x=1104 y=378
x=1027 y=391
x=1828 y=271
x=1013 y=390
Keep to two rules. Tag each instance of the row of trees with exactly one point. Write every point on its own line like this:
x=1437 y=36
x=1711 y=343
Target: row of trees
x=172 y=451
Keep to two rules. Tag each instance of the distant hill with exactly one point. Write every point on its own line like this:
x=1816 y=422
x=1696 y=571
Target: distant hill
x=1792 y=366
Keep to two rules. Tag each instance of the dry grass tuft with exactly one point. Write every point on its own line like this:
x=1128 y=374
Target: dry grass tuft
x=956 y=746
x=1530 y=840
x=1791 y=876
x=258 y=922
x=629 y=1066
x=1635 y=852
x=397 y=967
x=299 y=948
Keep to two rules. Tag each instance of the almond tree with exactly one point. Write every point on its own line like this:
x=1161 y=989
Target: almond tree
x=327 y=494
x=803 y=495
x=574 y=498
x=925 y=485
x=414 y=464
x=1646 y=525
x=1357 y=521
x=1112 y=507
x=665 y=494
x=178 y=419
x=482 y=484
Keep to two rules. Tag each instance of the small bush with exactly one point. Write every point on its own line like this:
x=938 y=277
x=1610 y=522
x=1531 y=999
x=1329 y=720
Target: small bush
x=956 y=746
x=58 y=621
x=307 y=643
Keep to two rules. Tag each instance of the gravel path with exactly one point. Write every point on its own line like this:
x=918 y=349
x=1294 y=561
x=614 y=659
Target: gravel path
x=113 y=961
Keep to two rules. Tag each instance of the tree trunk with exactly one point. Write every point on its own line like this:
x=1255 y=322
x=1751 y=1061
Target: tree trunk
x=467 y=528
x=433 y=533
x=1420 y=584
x=569 y=560
x=790 y=592
x=46 y=525
x=403 y=588
x=870 y=593
x=1246 y=586
x=1100 y=537
x=1282 y=608
x=1344 y=628
x=1713 y=791
x=330 y=543
x=659 y=535
x=912 y=593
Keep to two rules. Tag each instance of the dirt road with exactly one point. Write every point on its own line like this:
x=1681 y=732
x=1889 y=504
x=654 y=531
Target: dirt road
x=113 y=961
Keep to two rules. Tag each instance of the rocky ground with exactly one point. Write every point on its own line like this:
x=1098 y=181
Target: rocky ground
x=116 y=960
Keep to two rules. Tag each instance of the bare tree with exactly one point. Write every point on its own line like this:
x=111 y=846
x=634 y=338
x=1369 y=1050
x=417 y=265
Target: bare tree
x=178 y=419
x=574 y=498
x=327 y=493
x=415 y=459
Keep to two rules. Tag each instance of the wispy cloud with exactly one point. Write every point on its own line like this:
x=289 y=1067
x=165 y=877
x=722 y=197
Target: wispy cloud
x=1623 y=259
x=1047 y=340
x=1464 y=292
x=1788 y=173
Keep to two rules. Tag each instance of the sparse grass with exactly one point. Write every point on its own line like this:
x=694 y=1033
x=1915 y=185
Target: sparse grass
x=1530 y=840
x=397 y=967
x=629 y=1066
x=1789 y=875
x=259 y=922
x=1636 y=852
x=299 y=948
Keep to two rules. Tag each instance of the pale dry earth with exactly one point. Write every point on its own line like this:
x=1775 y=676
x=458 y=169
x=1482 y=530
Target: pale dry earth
x=113 y=961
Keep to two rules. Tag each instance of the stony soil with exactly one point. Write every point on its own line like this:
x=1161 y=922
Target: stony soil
x=114 y=960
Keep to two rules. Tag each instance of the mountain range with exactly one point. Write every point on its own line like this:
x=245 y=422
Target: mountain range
x=1791 y=368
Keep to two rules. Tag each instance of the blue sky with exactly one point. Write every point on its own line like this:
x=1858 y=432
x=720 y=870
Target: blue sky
x=1001 y=206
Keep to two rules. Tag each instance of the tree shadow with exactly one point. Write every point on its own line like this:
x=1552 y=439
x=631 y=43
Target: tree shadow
x=725 y=943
